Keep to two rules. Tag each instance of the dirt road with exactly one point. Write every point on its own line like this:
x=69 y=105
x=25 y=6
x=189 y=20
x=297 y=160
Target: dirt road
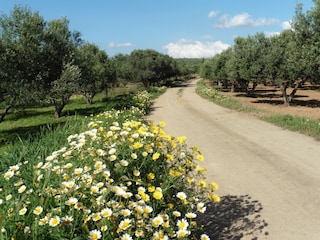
x=269 y=178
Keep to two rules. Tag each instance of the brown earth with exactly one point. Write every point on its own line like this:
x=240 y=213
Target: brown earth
x=306 y=102
x=268 y=177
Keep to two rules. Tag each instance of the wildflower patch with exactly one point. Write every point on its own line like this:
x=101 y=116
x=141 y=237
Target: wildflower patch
x=123 y=178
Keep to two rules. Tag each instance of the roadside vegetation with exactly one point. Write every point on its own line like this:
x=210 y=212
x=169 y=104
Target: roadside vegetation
x=304 y=125
x=112 y=176
x=213 y=94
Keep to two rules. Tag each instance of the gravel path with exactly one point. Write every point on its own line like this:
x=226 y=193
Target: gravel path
x=269 y=177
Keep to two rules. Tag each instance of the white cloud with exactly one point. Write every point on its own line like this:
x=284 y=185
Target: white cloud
x=195 y=49
x=120 y=45
x=212 y=14
x=271 y=34
x=286 y=25
x=243 y=20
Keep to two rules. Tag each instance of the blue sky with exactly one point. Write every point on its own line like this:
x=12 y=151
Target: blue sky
x=179 y=28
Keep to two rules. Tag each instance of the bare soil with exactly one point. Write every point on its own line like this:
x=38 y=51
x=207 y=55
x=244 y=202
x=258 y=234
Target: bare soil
x=268 y=177
x=306 y=102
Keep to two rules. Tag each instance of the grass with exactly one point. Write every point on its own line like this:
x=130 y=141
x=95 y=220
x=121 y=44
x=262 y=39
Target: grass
x=29 y=122
x=35 y=133
x=213 y=95
x=39 y=141
x=302 y=125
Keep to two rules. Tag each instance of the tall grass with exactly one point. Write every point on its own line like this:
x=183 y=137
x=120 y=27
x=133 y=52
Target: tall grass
x=40 y=143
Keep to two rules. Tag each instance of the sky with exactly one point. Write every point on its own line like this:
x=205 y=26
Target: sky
x=179 y=28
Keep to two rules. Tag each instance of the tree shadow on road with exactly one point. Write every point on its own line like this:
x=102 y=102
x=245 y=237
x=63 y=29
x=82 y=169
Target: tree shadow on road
x=233 y=218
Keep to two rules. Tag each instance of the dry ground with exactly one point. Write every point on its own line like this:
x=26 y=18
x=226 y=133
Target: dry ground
x=306 y=103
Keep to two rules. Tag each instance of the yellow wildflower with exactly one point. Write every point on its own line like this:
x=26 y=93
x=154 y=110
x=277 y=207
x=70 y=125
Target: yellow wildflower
x=151 y=176
x=213 y=186
x=200 y=169
x=137 y=145
x=169 y=156
x=190 y=180
x=151 y=188
x=200 y=158
x=214 y=197
x=170 y=205
x=181 y=139
x=145 y=197
x=202 y=183
x=162 y=124
x=155 y=156
x=157 y=194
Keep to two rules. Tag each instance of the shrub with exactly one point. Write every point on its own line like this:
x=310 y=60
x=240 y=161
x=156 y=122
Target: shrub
x=142 y=100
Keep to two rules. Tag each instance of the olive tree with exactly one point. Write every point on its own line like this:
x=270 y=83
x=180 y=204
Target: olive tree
x=62 y=76
x=150 y=67
x=21 y=58
x=63 y=87
x=97 y=71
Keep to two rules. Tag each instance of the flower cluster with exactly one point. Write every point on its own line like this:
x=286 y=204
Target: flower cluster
x=120 y=179
x=142 y=100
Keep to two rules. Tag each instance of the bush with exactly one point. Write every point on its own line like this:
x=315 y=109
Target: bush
x=120 y=179
x=142 y=100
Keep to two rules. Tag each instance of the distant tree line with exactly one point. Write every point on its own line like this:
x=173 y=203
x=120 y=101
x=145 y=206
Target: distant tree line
x=44 y=62
x=288 y=60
